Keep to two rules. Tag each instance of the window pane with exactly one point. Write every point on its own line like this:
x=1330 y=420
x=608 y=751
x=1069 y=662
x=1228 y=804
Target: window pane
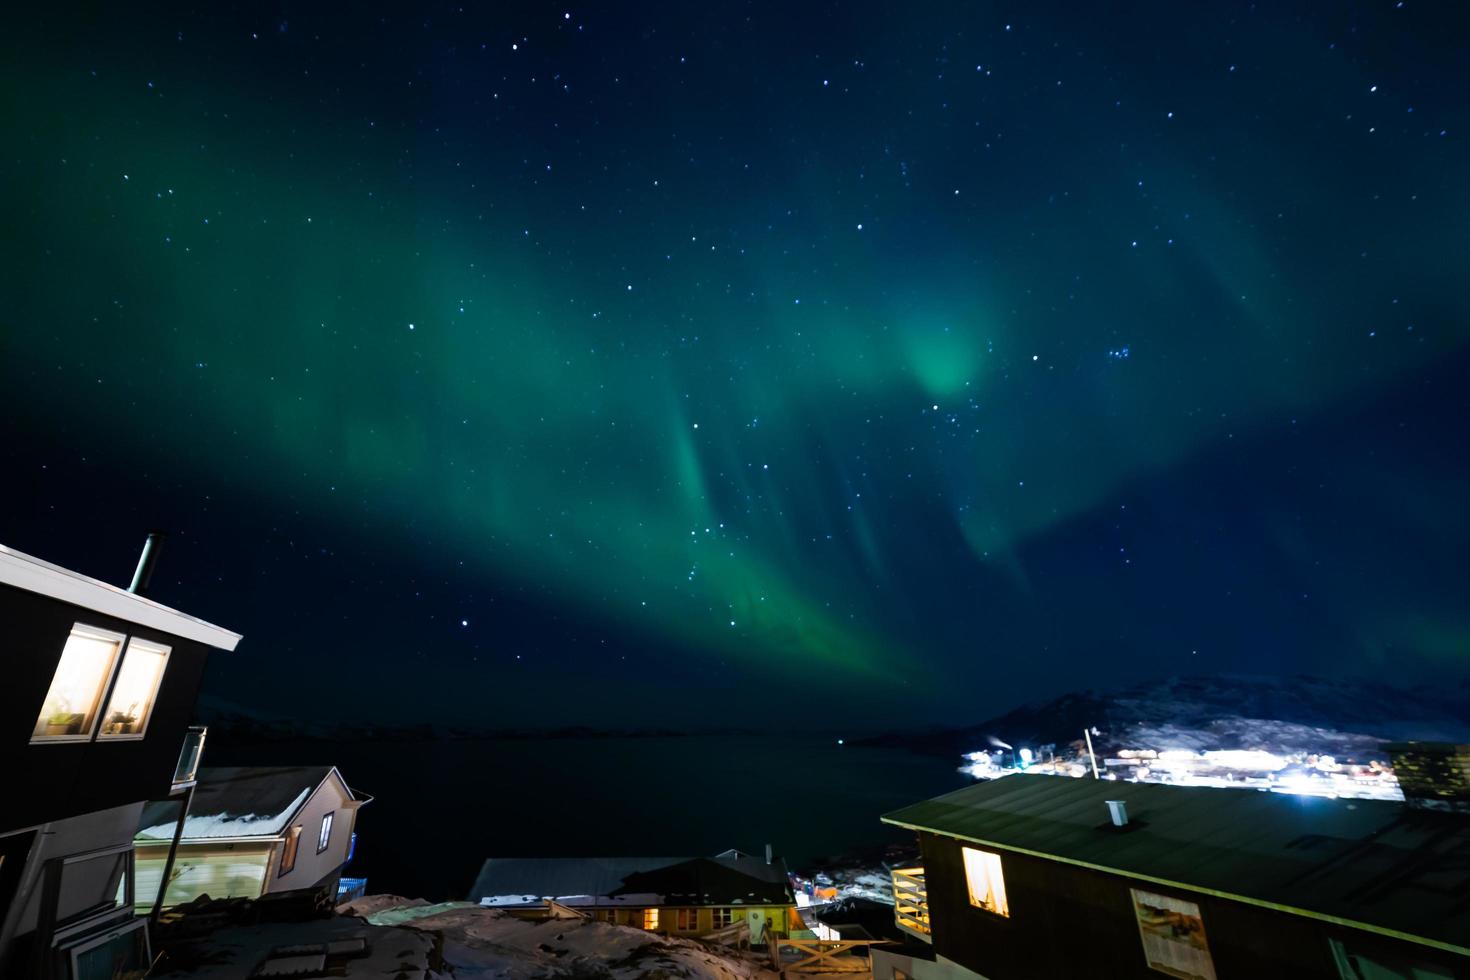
x=987 y=885
x=324 y=837
x=137 y=684
x=1173 y=936
x=650 y=918
x=70 y=708
x=288 y=856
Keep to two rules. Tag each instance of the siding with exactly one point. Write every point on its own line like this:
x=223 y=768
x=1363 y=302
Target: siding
x=312 y=868
x=222 y=870
x=1070 y=921
x=51 y=782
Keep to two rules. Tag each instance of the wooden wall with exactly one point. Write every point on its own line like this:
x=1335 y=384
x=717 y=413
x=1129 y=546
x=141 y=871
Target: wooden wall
x=1068 y=921
x=48 y=782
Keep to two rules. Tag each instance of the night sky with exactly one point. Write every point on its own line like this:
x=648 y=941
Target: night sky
x=746 y=364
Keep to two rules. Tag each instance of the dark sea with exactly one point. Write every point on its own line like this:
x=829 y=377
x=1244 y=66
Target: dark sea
x=441 y=807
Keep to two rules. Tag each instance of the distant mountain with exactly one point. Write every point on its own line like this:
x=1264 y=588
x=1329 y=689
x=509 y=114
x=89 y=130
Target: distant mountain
x=1222 y=711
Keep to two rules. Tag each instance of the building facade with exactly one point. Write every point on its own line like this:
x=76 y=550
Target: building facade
x=249 y=831
x=94 y=722
x=676 y=896
x=1034 y=876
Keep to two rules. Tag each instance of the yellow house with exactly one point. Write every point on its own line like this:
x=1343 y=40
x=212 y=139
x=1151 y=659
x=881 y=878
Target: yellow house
x=676 y=896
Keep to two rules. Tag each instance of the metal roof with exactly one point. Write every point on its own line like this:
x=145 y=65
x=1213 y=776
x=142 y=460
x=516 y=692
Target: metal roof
x=680 y=880
x=715 y=881
x=552 y=877
x=1371 y=864
x=43 y=578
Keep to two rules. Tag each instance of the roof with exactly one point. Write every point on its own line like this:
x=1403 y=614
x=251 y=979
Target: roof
x=43 y=578
x=678 y=880
x=558 y=877
x=715 y=881
x=1372 y=864
x=238 y=801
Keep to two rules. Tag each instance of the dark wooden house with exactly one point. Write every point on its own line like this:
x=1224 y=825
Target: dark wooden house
x=1034 y=876
x=677 y=896
x=95 y=718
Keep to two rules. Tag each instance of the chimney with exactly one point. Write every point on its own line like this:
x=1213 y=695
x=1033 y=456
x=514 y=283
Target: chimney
x=1118 y=810
x=768 y=853
x=146 y=562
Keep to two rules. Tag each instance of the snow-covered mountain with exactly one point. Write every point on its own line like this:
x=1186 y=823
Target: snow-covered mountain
x=1347 y=717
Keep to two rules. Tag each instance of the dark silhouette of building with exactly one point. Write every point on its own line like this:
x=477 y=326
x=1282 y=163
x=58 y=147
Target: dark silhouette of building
x=95 y=716
x=1043 y=876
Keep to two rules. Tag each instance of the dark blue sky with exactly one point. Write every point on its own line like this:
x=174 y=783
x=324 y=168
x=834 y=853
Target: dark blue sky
x=728 y=364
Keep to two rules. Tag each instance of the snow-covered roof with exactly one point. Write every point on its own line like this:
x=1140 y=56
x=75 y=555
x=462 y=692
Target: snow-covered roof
x=23 y=571
x=239 y=801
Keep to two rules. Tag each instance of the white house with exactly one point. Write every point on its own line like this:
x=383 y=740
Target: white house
x=250 y=830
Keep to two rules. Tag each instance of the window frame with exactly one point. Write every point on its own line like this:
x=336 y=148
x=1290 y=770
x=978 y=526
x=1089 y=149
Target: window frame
x=104 y=690
x=152 y=647
x=324 y=832
x=1004 y=910
x=721 y=912
x=650 y=919
x=691 y=916
x=291 y=848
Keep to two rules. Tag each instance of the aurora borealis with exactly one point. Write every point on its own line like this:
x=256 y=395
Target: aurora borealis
x=674 y=364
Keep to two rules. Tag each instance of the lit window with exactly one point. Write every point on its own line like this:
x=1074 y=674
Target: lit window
x=69 y=712
x=288 y=853
x=324 y=836
x=137 y=686
x=987 y=884
x=686 y=920
x=650 y=918
x=722 y=917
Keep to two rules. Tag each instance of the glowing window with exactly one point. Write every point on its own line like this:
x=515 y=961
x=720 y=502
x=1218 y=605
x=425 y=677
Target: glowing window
x=69 y=713
x=987 y=884
x=324 y=836
x=288 y=853
x=137 y=685
x=650 y=918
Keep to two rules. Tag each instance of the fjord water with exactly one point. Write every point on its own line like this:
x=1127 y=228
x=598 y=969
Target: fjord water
x=440 y=807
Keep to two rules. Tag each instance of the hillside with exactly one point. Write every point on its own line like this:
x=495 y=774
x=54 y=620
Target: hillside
x=1220 y=712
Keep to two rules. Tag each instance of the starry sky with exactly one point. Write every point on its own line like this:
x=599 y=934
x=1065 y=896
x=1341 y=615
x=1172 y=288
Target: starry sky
x=746 y=363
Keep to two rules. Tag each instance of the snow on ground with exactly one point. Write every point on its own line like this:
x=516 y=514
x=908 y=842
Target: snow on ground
x=235 y=952
x=489 y=944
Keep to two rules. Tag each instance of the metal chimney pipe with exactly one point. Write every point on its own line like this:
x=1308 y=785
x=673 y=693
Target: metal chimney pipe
x=146 y=562
x=1118 y=810
x=768 y=853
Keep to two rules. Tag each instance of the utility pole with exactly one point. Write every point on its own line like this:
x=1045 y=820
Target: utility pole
x=1087 y=734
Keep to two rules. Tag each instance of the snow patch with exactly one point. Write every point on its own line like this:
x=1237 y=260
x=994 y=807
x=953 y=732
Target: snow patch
x=217 y=825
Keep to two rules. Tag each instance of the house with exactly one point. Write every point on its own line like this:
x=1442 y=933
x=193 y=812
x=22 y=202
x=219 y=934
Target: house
x=249 y=831
x=94 y=722
x=1034 y=875
x=679 y=896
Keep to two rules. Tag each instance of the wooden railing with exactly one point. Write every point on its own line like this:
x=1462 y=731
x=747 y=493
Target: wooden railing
x=798 y=957
x=736 y=934
x=911 y=902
